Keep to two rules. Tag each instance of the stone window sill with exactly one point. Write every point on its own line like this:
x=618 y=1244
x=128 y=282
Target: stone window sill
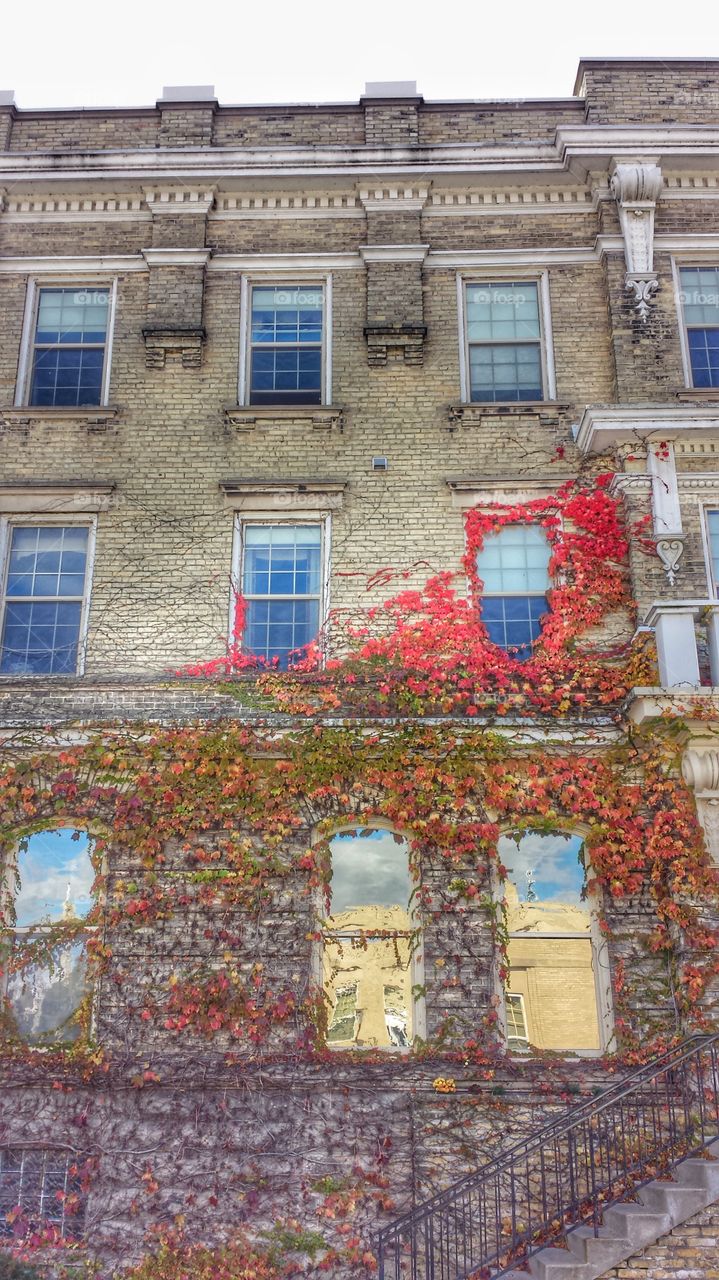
x=321 y=417
x=470 y=413
x=94 y=418
x=698 y=393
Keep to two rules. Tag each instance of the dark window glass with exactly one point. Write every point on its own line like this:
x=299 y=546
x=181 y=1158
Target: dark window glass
x=69 y=347
x=44 y=590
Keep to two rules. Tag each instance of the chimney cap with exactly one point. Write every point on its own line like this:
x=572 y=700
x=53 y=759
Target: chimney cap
x=7 y=97
x=391 y=89
x=188 y=93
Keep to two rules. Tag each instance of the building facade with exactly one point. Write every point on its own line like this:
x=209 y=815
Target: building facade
x=359 y=513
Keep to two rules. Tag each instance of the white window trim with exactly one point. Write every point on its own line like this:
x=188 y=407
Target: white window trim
x=61 y=520
x=292 y=279
x=546 y=339
x=27 y=342
x=323 y=519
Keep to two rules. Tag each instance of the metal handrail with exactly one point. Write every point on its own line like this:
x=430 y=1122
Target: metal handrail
x=563 y=1174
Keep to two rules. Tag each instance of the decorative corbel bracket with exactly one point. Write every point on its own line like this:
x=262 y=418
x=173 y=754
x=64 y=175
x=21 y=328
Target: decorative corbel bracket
x=700 y=771
x=406 y=339
x=182 y=343
x=636 y=187
x=670 y=551
x=20 y=418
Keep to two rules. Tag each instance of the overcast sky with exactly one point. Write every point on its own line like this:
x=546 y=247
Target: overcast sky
x=85 y=54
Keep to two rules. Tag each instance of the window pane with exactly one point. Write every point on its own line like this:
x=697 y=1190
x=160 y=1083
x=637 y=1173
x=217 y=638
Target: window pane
x=286 y=341
x=550 y=952
x=291 y=375
x=507 y=372
x=546 y=881
x=516 y=558
x=704 y=356
x=368 y=939
x=44 y=998
x=369 y=867
x=502 y=312
x=45 y=561
x=30 y=1180
x=276 y=629
x=72 y=316
x=67 y=377
x=700 y=295
x=282 y=562
x=56 y=877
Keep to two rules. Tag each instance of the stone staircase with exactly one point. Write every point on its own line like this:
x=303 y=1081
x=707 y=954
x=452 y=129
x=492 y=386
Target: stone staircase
x=556 y=1182
x=628 y=1227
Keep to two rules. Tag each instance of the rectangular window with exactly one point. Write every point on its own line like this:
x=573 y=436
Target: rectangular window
x=282 y=587
x=44 y=599
x=286 y=344
x=342 y=1024
x=700 y=299
x=504 y=341
x=513 y=569
x=517 y=1037
x=40 y=1186
x=69 y=347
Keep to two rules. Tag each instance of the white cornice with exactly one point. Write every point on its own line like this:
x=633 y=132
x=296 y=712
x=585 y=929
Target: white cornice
x=574 y=147
x=117 y=263
x=507 y=259
x=176 y=257
x=566 y=255
x=394 y=252
x=291 y=262
x=602 y=426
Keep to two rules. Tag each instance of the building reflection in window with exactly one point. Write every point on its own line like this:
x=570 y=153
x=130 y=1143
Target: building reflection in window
x=368 y=941
x=551 y=992
x=55 y=889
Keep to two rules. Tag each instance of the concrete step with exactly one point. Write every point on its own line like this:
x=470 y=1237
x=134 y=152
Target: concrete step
x=628 y=1227
x=637 y=1224
x=602 y=1250
x=560 y=1264
x=698 y=1172
x=678 y=1200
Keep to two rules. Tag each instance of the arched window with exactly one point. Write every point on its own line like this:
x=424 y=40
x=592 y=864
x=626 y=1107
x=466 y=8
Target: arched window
x=556 y=996
x=51 y=891
x=369 y=953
